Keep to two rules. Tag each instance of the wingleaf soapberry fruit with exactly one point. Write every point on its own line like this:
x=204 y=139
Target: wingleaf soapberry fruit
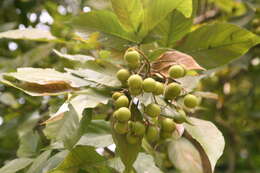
x=123 y=114
x=121 y=128
x=122 y=101
x=131 y=139
x=191 y=101
x=138 y=128
x=116 y=95
x=132 y=57
x=149 y=85
x=168 y=125
x=172 y=90
x=135 y=81
x=153 y=110
x=152 y=133
x=123 y=75
x=176 y=71
x=159 y=88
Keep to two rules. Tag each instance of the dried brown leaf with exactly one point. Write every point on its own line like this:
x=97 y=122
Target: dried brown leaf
x=169 y=58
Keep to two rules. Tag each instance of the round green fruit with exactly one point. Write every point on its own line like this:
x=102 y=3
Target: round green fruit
x=135 y=91
x=122 y=101
x=123 y=75
x=131 y=139
x=159 y=88
x=135 y=81
x=256 y=22
x=138 y=128
x=191 y=101
x=153 y=110
x=134 y=65
x=166 y=135
x=172 y=90
x=152 y=133
x=121 y=128
x=180 y=117
x=168 y=125
x=132 y=57
x=176 y=71
x=149 y=85
x=116 y=95
x=123 y=114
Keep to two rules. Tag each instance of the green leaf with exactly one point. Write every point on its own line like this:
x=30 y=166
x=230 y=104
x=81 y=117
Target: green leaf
x=16 y=165
x=39 y=82
x=39 y=162
x=218 y=44
x=88 y=99
x=154 y=12
x=84 y=157
x=129 y=13
x=66 y=129
x=102 y=21
x=209 y=137
x=54 y=161
x=183 y=154
x=28 y=34
x=186 y=8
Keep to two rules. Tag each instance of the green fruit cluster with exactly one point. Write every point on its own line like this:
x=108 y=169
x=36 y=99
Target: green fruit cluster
x=152 y=125
x=256 y=25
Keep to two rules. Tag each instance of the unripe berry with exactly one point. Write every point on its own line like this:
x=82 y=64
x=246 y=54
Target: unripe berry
x=180 y=117
x=135 y=81
x=132 y=57
x=166 y=135
x=149 y=85
x=131 y=139
x=121 y=128
x=152 y=133
x=159 y=88
x=135 y=91
x=123 y=114
x=176 y=71
x=122 y=101
x=256 y=22
x=172 y=90
x=153 y=110
x=191 y=101
x=168 y=125
x=134 y=65
x=123 y=75
x=138 y=128
x=116 y=95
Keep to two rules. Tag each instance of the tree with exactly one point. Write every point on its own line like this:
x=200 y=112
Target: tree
x=131 y=49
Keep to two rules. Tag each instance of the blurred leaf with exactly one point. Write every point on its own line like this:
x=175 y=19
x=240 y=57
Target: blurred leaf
x=28 y=144
x=54 y=161
x=65 y=129
x=209 y=137
x=154 y=12
x=8 y=99
x=16 y=165
x=184 y=156
x=218 y=44
x=145 y=163
x=39 y=82
x=208 y=95
x=167 y=59
x=96 y=140
x=190 y=82
x=129 y=13
x=102 y=21
x=84 y=157
x=88 y=99
x=80 y=58
x=39 y=163
x=28 y=34
x=186 y=8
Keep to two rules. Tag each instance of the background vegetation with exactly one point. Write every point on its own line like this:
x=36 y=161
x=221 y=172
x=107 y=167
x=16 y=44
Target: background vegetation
x=236 y=110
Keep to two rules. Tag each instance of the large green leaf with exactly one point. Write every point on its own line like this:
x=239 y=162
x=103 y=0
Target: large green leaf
x=54 y=161
x=66 y=129
x=217 y=44
x=28 y=34
x=39 y=82
x=186 y=8
x=102 y=21
x=183 y=154
x=129 y=13
x=77 y=57
x=209 y=137
x=154 y=12
x=84 y=157
x=16 y=165
x=39 y=162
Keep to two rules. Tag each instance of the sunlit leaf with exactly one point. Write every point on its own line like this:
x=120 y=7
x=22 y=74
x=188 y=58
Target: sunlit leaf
x=16 y=165
x=39 y=162
x=77 y=57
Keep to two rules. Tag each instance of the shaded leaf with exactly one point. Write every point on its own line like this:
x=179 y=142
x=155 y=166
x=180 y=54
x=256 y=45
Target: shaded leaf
x=145 y=163
x=96 y=140
x=208 y=95
x=39 y=162
x=218 y=44
x=28 y=34
x=129 y=13
x=16 y=165
x=209 y=137
x=9 y=99
x=189 y=83
x=166 y=60
x=184 y=156
x=54 y=161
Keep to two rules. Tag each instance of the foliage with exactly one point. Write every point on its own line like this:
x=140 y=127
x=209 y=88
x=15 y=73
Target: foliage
x=62 y=113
